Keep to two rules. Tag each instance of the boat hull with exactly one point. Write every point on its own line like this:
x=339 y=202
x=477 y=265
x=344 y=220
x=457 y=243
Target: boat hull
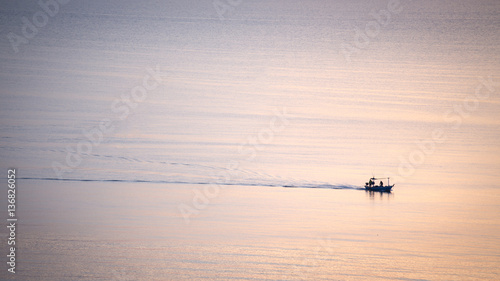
x=386 y=188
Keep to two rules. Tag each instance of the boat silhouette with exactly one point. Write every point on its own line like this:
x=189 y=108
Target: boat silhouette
x=371 y=186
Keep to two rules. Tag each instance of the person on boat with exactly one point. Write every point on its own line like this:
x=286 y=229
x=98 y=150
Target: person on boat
x=370 y=183
x=381 y=183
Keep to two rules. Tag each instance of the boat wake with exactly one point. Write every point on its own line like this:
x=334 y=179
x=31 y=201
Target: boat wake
x=129 y=169
x=264 y=184
x=326 y=186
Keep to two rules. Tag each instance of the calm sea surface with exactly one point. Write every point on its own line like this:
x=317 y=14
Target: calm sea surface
x=167 y=140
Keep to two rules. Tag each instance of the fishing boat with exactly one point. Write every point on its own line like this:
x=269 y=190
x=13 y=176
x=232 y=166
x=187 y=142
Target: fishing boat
x=371 y=186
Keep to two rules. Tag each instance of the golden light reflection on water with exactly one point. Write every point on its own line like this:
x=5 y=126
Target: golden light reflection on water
x=275 y=233
x=348 y=121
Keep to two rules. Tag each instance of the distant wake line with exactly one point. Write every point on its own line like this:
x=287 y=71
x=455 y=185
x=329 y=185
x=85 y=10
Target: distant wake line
x=181 y=173
x=298 y=185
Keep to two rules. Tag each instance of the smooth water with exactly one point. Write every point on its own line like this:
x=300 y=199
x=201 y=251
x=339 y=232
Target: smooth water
x=176 y=96
x=134 y=231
